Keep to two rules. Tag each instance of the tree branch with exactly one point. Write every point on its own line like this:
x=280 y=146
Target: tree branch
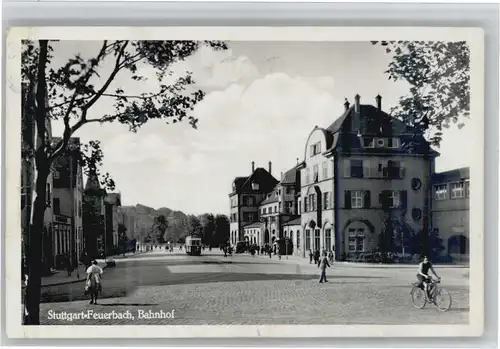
x=68 y=130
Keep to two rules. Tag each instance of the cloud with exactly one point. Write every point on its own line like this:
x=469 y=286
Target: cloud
x=217 y=69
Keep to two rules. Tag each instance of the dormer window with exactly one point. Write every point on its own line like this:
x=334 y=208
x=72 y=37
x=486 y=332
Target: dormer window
x=255 y=186
x=315 y=149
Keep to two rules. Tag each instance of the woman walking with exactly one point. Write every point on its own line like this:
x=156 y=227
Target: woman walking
x=94 y=285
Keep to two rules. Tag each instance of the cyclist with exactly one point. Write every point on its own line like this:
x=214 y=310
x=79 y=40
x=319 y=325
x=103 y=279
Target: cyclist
x=423 y=274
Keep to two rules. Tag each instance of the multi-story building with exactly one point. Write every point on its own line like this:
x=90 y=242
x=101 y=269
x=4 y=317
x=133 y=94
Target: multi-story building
x=450 y=211
x=278 y=207
x=67 y=197
x=366 y=177
x=247 y=193
x=367 y=182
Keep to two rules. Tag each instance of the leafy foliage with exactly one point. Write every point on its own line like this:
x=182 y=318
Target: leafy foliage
x=438 y=74
x=159 y=228
x=76 y=86
x=194 y=226
x=69 y=92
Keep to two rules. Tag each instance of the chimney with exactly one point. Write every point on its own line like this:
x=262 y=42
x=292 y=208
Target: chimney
x=270 y=164
x=357 y=105
x=253 y=166
x=346 y=104
x=356 y=118
x=378 y=99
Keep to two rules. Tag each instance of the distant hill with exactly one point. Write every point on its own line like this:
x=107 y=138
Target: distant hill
x=139 y=221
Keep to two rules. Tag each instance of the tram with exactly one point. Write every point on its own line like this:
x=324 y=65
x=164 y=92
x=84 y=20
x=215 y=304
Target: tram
x=193 y=246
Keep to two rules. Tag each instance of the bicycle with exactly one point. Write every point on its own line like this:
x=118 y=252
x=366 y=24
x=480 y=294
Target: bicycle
x=438 y=296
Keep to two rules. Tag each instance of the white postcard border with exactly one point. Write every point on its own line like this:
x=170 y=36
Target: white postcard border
x=474 y=36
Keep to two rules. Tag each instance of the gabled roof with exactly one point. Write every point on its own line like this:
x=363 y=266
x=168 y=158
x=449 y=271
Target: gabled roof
x=261 y=176
x=457 y=174
x=273 y=197
x=290 y=176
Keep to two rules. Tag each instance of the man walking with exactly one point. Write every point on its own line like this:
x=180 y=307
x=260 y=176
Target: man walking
x=323 y=264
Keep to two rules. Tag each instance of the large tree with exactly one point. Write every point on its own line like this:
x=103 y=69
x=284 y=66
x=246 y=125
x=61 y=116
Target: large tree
x=194 y=226
x=160 y=227
x=438 y=75
x=222 y=229
x=208 y=227
x=69 y=93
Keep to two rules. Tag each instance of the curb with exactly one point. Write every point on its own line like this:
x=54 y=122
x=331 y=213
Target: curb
x=80 y=280
x=69 y=282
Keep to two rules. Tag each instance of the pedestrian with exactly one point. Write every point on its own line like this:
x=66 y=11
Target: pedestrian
x=323 y=264
x=330 y=256
x=69 y=266
x=310 y=256
x=316 y=257
x=93 y=284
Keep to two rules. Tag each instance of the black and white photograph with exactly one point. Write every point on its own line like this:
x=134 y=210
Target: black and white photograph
x=245 y=176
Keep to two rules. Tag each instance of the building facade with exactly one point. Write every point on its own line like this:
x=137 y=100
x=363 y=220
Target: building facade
x=111 y=203
x=245 y=198
x=67 y=198
x=450 y=211
x=367 y=182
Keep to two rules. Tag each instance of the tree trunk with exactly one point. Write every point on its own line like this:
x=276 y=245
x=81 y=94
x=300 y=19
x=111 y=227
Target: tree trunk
x=34 y=256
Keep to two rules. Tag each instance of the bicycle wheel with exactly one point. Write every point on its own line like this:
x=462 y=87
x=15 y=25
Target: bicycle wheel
x=418 y=297
x=442 y=299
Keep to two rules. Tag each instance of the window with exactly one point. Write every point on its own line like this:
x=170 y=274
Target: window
x=275 y=209
x=57 y=206
x=325 y=170
x=357 y=199
x=315 y=173
x=298 y=239
x=312 y=202
x=279 y=192
x=249 y=201
x=306 y=204
x=308 y=176
x=315 y=149
x=468 y=188
x=264 y=210
x=288 y=190
x=326 y=200
x=347 y=168
x=308 y=239
x=279 y=206
x=441 y=192
x=357 y=168
x=356 y=240
x=394 y=143
x=299 y=206
x=79 y=209
x=380 y=142
x=394 y=199
x=317 y=239
x=457 y=190
x=328 y=239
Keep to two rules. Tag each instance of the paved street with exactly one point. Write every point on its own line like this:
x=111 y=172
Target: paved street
x=249 y=290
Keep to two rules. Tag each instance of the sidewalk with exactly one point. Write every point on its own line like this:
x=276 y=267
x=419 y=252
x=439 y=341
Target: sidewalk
x=301 y=260
x=62 y=278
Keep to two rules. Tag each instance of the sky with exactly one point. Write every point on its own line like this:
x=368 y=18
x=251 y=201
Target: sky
x=262 y=101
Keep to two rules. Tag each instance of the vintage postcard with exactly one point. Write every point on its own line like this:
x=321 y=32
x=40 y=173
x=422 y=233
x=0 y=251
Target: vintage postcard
x=244 y=182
